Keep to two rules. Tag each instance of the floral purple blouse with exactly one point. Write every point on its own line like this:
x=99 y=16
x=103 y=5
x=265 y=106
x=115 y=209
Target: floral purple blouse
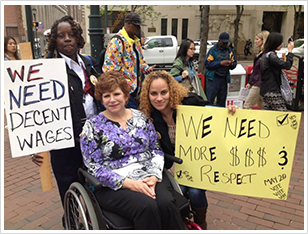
x=113 y=154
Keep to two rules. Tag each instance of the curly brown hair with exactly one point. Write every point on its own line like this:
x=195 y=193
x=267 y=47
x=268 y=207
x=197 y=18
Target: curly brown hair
x=176 y=91
x=76 y=28
x=108 y=82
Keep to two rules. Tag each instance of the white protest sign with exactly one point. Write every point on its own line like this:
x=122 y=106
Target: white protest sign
x=37 y=106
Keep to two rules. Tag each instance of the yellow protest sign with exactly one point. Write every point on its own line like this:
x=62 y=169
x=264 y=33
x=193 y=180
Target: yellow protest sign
x=249 y=153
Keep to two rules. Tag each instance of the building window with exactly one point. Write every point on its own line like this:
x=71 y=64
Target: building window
x=184 y=28
x=12 y=31
x=272 y=21
x=163 y=27
x=174 y=28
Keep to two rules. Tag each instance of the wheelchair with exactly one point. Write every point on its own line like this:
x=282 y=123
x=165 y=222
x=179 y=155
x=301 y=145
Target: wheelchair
x=83 y=212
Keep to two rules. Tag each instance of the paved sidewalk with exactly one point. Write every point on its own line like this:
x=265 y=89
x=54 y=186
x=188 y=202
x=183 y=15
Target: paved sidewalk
x=26 y=207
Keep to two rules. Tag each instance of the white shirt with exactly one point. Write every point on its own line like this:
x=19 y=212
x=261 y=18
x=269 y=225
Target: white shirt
x=88 y=104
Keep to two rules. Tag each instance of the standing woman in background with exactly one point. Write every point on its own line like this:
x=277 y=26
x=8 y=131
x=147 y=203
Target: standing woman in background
x=271 y=67
x=183 y=67
x=10 y=49
x=255 y=78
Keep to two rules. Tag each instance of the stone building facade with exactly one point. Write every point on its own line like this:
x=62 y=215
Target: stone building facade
x=15 y=23
x=179 y=20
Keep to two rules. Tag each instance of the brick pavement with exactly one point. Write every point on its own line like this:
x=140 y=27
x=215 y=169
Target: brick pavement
x=26 y=207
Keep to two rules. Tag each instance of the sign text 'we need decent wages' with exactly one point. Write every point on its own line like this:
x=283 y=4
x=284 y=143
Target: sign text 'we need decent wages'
x=249 y=153
x=37 y=106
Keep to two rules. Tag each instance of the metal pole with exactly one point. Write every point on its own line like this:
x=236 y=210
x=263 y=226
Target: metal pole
x=35 y=28
x=95 y=31
x=29 y=27
x=106 y=18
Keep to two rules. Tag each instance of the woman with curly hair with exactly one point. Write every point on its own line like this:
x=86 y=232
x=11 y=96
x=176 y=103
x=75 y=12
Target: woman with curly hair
x=65 y=42
x=54 y=38
x=10 y=49
x=159 y=98
x=120 y=148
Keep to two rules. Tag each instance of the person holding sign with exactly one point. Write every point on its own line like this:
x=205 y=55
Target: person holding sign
x=121 y=149
x=10 y=49
x=159 y=98
x=271 y=67
x=65 y=42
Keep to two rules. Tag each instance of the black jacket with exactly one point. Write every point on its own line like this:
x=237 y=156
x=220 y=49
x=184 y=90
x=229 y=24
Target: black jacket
x=162 y=127
x=270 y=71
x=76 y=97
x=65 y=162
x=255 y=78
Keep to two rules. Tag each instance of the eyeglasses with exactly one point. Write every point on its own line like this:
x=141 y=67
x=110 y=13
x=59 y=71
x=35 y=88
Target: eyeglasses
x=192 y=49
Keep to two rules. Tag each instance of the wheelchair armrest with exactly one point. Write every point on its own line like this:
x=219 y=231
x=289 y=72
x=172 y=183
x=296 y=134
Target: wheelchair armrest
x=173 y=158
x=90 y=178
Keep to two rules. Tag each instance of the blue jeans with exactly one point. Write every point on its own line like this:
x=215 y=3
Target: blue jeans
x=197 y=197
x=217 y=87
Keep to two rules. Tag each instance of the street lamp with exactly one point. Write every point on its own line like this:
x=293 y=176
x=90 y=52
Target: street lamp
x=35 y=25
x=34 y=13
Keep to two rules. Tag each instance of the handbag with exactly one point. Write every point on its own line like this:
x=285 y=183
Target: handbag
x=185 y=82
x=285 y=88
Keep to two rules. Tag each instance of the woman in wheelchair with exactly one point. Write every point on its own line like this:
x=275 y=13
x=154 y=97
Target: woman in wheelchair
x=159 y=98
x=120 y=148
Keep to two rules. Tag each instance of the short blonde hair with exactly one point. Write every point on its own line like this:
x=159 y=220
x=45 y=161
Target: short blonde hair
x=176 y=91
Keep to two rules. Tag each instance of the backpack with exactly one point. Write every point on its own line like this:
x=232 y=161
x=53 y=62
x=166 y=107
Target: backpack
x=285 y=88
x=103 y=52
x=93 y=69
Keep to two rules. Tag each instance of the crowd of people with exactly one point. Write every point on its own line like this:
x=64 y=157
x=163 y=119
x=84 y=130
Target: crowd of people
x=126 y=122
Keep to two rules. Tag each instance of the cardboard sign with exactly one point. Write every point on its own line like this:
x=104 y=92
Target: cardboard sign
x=249 y=153
x=37 y=106
x=25 y=50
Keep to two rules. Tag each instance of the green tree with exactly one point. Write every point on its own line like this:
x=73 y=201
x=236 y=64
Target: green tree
x=145 y=12
x=297 y=18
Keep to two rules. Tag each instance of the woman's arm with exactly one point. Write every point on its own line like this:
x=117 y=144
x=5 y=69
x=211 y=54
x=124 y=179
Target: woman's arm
x=95 y=160
x=156 y=165
x=277 y=62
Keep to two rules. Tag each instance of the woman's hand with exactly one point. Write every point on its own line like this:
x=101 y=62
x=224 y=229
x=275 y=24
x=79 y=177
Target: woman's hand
x=290 y=46
x=185 y=74
x=248 y=86
x=139 y=186
x=150 y=69
x=232 y=109
x=37 y=159
x=151 y=182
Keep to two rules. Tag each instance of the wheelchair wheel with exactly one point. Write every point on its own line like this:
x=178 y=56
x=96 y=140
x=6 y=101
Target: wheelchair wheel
x=78 y=209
